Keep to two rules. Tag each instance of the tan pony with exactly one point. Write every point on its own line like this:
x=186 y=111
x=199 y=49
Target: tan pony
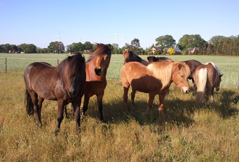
x=130 y=56
x=154 y=79
x=207 y=77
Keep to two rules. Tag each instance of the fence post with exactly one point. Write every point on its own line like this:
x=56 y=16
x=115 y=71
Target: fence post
x=5 y=65
x=57 y=61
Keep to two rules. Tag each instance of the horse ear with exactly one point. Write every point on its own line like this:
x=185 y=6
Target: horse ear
x=109 y=46
x=221 y=75
x=180 y=66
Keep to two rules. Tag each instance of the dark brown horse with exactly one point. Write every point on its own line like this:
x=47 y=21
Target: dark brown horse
x=154 y=79
x=96 y=70
x=207 y=77
x=64 y=83
x=130 y=56
x=157 y=59
x=193 y=64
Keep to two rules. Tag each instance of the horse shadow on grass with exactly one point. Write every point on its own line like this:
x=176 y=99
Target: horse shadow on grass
x=177 y=111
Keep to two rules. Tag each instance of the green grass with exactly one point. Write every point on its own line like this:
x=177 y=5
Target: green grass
x=189 y=133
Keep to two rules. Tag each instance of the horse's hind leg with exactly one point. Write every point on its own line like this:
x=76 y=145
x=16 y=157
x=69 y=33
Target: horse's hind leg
x=40 y=101
x=133 y=96
x=37 y=111
x=125 y=96
x=99 y=99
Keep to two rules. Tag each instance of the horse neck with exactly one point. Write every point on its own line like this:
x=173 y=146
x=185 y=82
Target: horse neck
x=90 y=72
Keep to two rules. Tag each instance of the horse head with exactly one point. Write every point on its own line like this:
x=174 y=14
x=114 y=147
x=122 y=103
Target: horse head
x=102 y=56
x=180 y=76
x=75 y=75
x=217 y=82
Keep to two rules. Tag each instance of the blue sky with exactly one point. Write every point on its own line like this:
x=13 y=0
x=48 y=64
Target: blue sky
x=40 y=22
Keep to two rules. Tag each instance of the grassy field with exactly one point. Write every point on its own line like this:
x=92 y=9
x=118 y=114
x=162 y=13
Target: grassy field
x=189 y=133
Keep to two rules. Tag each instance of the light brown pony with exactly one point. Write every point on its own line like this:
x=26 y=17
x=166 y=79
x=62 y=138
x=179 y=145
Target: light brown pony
x=130 y=56
x=192 y=64
x=154 y=79
x=64 y=83
x=96 y=69
x=207 y=77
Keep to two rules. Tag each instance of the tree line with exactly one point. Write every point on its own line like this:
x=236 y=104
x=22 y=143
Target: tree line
x=217 y=45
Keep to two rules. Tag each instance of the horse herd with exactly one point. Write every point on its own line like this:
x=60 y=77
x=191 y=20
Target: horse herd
x=73 y=78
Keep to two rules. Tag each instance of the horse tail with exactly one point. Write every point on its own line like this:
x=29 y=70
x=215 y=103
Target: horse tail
x=29 y=103
x=201 y=80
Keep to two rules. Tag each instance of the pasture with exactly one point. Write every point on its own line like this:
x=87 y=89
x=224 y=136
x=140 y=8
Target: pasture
x=189 y=133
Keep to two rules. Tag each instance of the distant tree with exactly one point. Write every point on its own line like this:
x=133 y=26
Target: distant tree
x=56 y=47
x=115 y=48
x=165 y=41
x=171 y=51
x=135 y=45
x=88 y=45
x=217 y=40
x=190 y=41
x=76 y=47
x=1 y=48
x=27 y=48
x=7 y=47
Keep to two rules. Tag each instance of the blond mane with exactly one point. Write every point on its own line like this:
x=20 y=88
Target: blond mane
x=163 y=70
x=215 y=66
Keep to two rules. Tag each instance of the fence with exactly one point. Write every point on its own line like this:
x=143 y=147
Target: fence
x=15 y=64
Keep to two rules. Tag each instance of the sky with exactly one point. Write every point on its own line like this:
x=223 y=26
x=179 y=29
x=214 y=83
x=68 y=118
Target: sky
x=39 y=22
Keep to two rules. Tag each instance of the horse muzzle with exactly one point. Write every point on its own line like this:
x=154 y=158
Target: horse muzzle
x=71 y=92
x=185 y=90
x=98 y=71
x=217 y=89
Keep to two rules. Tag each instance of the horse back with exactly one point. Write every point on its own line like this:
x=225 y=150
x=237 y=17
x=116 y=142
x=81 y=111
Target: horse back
x=38 y=77
x=192 y=64
x=139 y=77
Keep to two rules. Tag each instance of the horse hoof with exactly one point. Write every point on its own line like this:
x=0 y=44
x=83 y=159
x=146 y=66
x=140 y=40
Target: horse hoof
x=56 y=132
x=39 y=125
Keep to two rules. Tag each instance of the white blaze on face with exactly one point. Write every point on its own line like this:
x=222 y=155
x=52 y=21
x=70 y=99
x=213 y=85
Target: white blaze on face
x=185 y=89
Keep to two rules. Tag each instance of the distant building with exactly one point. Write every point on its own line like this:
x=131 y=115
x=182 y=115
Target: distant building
x=154 y=49
x=192 y=50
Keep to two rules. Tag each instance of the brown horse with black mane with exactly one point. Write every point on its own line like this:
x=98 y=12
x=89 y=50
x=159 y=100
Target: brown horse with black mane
x=154 y=79
x=96 y=69
x=207 y=77
x=64 y=83
x=130 y=56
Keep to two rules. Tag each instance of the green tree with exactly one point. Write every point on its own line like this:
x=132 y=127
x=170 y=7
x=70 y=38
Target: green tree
x=88 y=45
x=165 y=41
x=135 y=45
x=115 y=48
x=76 y=47
x=191 y=41
x=27 y=48
x=56 y=47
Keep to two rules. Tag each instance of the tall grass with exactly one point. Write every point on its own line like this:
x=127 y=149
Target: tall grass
x=189 y=133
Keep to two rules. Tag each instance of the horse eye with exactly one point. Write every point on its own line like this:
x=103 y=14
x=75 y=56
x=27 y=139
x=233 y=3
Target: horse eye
x=182 y=76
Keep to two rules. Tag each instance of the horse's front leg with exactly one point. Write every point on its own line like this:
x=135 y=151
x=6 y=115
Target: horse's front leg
x=59 y=115
x=99 y=99
x=212 y=93
x=194 y=87
x=76 y=107
x=150 y=102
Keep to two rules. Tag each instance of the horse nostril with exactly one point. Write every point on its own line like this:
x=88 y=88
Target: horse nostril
x=187 y=91
x=98 y=71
